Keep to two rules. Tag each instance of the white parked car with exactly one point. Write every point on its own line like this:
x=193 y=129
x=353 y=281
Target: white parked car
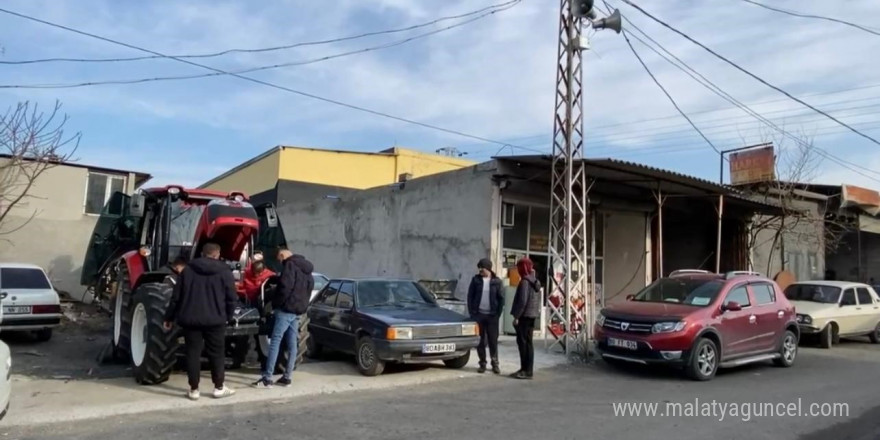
x=29 y=302
x=835 y=309
x=5 y=373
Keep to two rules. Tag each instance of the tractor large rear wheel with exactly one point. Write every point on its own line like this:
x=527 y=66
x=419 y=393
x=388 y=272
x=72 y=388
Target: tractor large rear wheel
x=302 y=347
x=122 y=316
x=153 y=349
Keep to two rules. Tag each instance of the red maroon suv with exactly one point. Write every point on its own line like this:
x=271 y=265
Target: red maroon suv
x=701 y=321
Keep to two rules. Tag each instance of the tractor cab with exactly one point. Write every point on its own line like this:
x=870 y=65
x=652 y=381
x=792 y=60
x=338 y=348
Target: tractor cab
x=159 y=225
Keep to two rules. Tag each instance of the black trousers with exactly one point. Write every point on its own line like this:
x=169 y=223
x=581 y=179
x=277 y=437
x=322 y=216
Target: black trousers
x=212 y=340
x=525 y=329
x=488 y=336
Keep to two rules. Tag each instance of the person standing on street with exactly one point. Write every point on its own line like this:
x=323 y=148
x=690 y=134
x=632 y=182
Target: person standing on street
x=485 y=305
x=526 y=308
x=290 y=300
x=204 y=300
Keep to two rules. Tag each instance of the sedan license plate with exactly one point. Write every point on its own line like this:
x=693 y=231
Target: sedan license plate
x=623 y=343
x=17 y=310
x=438 y=348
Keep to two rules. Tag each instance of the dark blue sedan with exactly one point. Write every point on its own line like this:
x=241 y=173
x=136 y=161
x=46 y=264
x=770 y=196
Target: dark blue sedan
x=382 y=320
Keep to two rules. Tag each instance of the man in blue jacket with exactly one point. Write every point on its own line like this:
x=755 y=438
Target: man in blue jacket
x=485 y=305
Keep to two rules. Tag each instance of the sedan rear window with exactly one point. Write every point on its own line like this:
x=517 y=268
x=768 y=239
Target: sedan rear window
x=22 y=278
x=692 y=292
x=813 y=293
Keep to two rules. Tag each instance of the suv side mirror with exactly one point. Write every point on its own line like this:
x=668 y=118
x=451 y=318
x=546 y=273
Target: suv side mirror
x=732 y=306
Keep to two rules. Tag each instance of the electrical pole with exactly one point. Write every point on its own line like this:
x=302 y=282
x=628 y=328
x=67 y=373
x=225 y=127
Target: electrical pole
x=569 y=211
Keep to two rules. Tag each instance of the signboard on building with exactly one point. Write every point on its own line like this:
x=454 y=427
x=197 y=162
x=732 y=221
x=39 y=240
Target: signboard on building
x=857 y=197
x=753 y=166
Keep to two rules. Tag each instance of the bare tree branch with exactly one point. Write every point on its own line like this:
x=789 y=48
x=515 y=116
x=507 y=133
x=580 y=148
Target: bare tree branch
x=31 y=143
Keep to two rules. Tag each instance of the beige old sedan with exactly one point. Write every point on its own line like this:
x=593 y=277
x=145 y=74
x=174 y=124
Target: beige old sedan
x=836 y=309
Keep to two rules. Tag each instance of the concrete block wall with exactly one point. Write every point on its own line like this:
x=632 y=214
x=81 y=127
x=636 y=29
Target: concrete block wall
x=435 y=227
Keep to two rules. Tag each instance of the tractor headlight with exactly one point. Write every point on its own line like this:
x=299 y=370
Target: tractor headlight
x=668 y=327
x=804 y=319
x=470 y=330
x=395 y=333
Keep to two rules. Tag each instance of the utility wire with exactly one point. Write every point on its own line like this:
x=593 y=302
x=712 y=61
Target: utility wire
x=817 y=17
x=665 y=92
x=258 y=81
x=260 y=68
x=270 y=49
x=741 y=69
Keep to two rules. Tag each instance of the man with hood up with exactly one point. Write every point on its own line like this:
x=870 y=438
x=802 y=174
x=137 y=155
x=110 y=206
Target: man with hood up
x=204 y=300
x=290 y=300
x=526 y=308
x=485 y=305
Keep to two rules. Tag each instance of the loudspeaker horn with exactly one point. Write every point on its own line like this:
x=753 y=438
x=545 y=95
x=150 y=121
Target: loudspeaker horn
x=612 y=22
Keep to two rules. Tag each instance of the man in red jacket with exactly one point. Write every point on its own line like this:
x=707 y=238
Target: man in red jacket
x=254 y=277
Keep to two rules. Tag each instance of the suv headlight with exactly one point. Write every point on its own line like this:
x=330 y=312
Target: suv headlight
x=668 y=327
x=600 y=320
x=470 y=330
x=395 y=333
x=804 y=319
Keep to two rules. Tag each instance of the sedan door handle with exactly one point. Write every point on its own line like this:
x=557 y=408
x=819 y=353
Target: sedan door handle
x=752 y=319
x=780 y=314
x=3 y=296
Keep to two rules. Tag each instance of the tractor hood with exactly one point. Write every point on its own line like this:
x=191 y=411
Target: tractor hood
x=230 y=223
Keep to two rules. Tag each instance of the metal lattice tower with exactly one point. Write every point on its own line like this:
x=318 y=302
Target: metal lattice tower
x=569 y=216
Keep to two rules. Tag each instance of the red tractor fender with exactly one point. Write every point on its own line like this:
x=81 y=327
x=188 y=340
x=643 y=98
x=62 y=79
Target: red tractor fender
x=136 y=265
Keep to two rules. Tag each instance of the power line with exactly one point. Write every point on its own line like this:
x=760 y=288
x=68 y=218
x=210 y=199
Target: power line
x=260 y=68
x=818 y=17
x=705 y=82
x=741 y=69
x=258 y=81
x=665 y=92
x=273 y=48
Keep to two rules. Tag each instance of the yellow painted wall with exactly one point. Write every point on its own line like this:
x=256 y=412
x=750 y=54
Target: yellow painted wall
x=252 y=179
x=361 y=170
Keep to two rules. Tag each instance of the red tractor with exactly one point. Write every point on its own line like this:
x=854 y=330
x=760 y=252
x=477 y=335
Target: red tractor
x=135 y=239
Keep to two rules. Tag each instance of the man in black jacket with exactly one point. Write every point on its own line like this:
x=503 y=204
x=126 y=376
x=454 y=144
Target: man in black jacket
x=204 y=300
x=290 y=300
x=485 y=305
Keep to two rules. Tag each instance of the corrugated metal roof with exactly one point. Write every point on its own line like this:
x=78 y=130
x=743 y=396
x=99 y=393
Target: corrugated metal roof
x=652 y=178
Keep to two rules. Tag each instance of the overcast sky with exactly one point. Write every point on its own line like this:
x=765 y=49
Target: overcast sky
x=493 y=78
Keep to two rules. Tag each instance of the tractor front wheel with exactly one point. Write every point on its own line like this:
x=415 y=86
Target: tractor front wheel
x=153 y=349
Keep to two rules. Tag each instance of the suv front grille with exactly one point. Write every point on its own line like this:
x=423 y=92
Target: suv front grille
x=633 y=327
x=436 y=331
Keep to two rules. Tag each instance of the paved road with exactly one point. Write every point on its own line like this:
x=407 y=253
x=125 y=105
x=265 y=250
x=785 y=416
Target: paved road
x=566 y=403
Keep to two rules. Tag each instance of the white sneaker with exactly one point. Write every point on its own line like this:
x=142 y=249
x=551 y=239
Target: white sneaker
x=223 y=392
x=193 y=394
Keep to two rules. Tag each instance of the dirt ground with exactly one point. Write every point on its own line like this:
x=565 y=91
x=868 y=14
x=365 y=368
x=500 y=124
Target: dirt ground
x=72 y=353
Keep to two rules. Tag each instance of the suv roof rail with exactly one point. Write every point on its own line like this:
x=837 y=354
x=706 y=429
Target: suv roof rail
x=736 y=273
x=687 y=271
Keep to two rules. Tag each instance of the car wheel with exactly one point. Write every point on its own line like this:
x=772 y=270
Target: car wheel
x=459 y=362
x=788 y=350
x=827 y=337
x=368 y=361
x=875 y=336
x=43 y=335
x=704 y=360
